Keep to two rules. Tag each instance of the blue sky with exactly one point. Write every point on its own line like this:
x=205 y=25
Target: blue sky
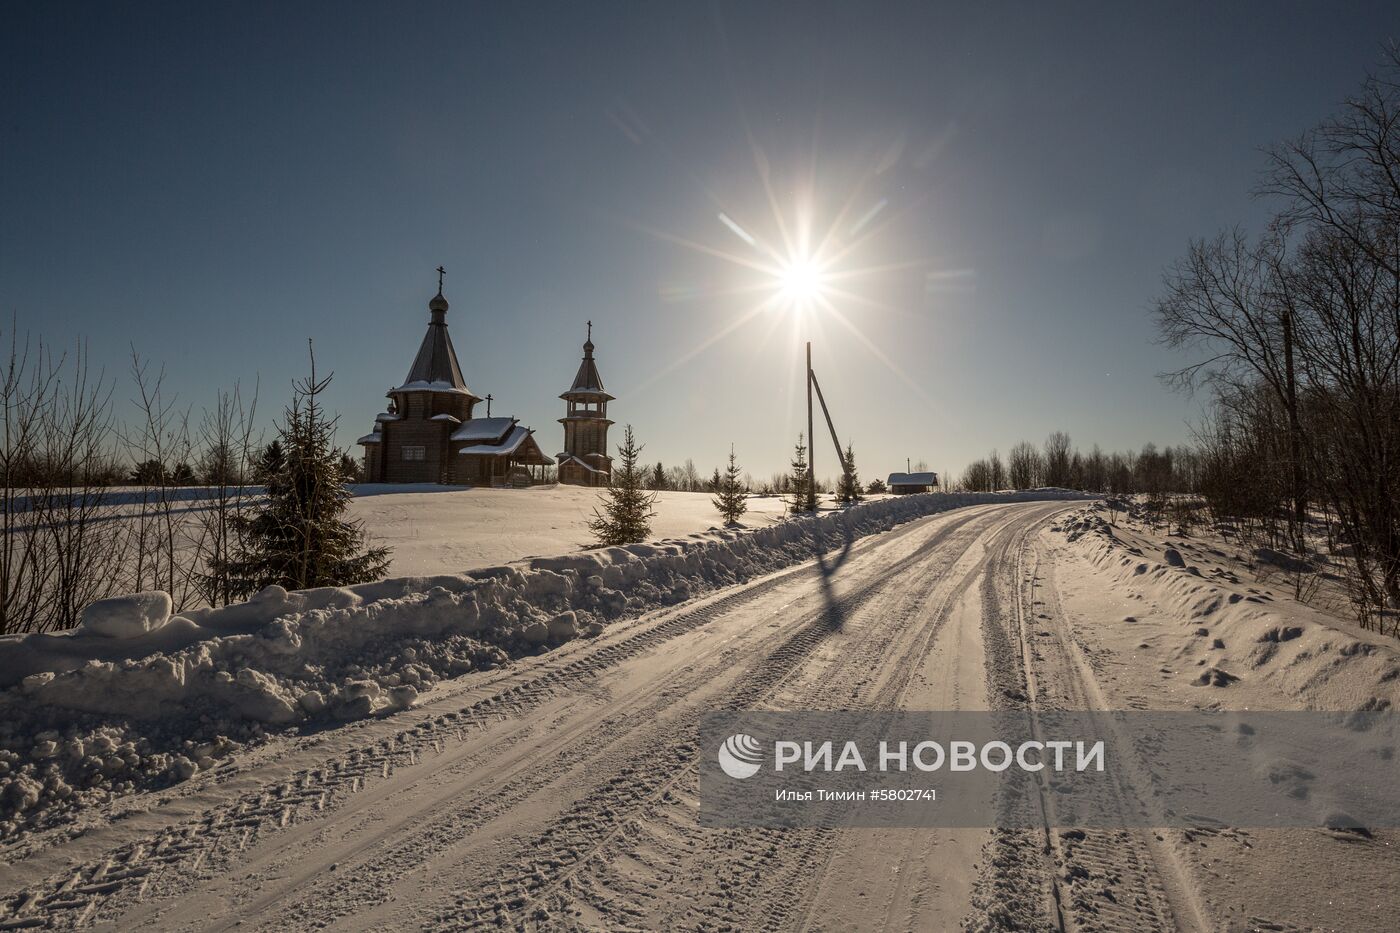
x=214 y=183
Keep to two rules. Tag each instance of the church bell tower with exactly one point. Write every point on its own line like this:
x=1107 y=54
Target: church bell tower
x=585 y=460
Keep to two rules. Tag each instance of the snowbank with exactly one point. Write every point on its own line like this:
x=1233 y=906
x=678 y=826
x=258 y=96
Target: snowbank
x=1236 y=633
x=127 y=616
x=164 y=701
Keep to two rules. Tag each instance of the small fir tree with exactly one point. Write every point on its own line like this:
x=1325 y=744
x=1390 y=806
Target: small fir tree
x=715 y=480
x=271 y=462
x=149 y=473
x=658 y=476
x=730 y=496
x=848 y=491
x=300 y=538
x=627 y=507
x=804 y=497
x=350 y=469
x=876 y=487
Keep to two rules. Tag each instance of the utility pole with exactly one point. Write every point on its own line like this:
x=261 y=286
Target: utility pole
x=812 y=383
x=811 y=439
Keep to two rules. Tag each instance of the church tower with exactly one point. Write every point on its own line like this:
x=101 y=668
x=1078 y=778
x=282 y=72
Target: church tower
x=411 y=442
x=430 y=434
x=585 y=460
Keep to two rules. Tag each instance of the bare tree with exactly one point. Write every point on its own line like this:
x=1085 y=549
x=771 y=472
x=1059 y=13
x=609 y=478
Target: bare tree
x=1301 y=333
x=996 y=472
x=1237 y=302
x=1056 y=463
x=58 y=551
x=230 y=454
x=1023 y=465
x=164 y=536
x=977 y=477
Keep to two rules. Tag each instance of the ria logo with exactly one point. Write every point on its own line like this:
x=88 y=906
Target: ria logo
x=740 y=755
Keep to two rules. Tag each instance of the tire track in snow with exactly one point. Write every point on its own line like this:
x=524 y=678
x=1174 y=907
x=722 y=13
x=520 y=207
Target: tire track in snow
x=525 y=892
x=773 y=870
x=1065 y=879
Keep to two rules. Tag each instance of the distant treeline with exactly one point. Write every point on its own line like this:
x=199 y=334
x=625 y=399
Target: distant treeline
x=1058 y=463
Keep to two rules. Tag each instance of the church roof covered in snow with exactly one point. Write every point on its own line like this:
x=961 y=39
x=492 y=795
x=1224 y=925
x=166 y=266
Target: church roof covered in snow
x=514 y=439
x=490 y=430
x=506 y=445
x=435 y=368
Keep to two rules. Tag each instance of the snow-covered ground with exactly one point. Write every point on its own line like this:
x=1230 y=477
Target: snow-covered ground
x=1179 y=621
x=136 y=697
x=515 y=746
x=452 y=529
x=1221 y=620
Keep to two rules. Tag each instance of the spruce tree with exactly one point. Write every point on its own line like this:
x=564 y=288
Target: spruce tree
x=272 y=461
x=804 y=497
x=730 y=498
x=658 y=476
x=149 y=473
x=299 y=537
x=627 y=506
x=350 y=469
x=848 y=491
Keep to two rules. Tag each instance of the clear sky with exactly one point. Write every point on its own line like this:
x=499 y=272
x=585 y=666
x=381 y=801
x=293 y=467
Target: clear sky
x=214 y=183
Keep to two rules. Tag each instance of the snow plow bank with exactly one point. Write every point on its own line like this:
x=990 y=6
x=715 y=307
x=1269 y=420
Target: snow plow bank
x=135 y=693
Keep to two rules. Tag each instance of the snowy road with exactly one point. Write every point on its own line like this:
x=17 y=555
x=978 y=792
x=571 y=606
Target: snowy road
x=562 y=792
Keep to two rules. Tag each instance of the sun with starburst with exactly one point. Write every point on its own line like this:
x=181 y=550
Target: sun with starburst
x=806 y=273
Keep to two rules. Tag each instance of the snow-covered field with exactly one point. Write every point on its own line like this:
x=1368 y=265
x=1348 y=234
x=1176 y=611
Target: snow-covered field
x=447 y=529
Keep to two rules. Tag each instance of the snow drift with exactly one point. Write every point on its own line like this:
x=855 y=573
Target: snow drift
x=1234 y=632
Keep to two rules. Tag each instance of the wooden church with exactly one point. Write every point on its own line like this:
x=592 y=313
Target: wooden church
x=430 y=434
